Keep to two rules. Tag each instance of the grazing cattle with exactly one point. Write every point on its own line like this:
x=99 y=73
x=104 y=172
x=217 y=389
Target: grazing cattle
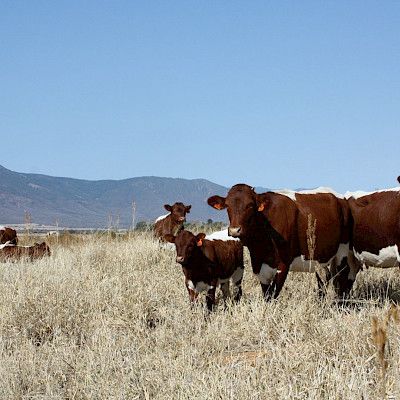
x=275 y=227
x=10 y=252
x=376 y=232
x=171 y=223
x=8 y=235
x=207 y=263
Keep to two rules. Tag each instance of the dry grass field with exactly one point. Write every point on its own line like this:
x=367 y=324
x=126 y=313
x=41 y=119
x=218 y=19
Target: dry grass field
x=110 y=319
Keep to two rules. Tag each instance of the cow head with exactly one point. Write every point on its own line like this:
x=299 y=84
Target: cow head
x=178 y=211
x=186 y=244
x=243 y=206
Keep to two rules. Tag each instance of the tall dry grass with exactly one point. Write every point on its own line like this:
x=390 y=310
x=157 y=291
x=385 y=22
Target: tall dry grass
x=104 y=319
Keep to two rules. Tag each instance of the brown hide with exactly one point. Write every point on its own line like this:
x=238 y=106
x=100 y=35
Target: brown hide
x=376 y=221
x=274 y=227
x=9 y=253
x=8 y=235
x=173 y=223
x=206 y=261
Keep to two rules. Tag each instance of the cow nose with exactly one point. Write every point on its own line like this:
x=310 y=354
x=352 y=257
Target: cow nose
x=179 y=259
x=182 y=219
x=234 y=231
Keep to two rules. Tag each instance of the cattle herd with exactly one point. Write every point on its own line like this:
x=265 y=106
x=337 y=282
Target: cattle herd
x=9 y=249
x=316 y=230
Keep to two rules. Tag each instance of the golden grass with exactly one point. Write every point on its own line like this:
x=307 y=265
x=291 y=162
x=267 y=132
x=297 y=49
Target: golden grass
x=106 y=319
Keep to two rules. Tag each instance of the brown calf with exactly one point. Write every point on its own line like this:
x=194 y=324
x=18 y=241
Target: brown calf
x=38 y=250
x=209 y=263
x=8 y=235
x=274 y=227
x=171 y=223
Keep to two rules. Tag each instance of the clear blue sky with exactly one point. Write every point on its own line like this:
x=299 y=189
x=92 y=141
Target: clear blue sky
x=272 y=93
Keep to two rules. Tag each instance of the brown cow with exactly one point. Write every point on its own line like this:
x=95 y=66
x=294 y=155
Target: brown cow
x=274 y=228
x=376 y=231
x=171 y=223
x=209 y=263
x=8 y=235
x=38 y=250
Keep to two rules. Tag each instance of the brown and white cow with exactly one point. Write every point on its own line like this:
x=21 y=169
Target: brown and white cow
x=14 y=253
x=208 y=263
x=376 y=231
x=172 y=223
x=274 y=227
x=8 y=235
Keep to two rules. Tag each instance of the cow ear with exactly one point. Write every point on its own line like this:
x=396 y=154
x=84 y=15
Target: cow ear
x=188 y=208
x=217 y=202
x=262 y=202
x=169 y=238
x=168 y=207
x=199 y=239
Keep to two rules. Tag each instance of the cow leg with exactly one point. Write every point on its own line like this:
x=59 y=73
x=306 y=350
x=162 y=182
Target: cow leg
x=225 y=290
x=280 y=278
x=210 y=300
x=346 y=275
x=237 y=282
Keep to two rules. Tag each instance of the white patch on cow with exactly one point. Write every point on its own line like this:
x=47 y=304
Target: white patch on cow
x=388 y=257
x=292 y=194
x=235 y=277
x=266 y=274
x=359 y=193
x=161 y=217
x=343 y=252
x=6 y=244
x=200 y=286
x=300 y=264
x=221 y=235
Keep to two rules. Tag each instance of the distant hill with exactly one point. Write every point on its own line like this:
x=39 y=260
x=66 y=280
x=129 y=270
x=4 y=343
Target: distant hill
x=78 y=203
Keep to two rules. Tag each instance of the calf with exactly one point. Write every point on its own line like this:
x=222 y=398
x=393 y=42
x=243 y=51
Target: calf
x=8 y=235
x=10 y=253
x=171 y=223
x=209 y=263
x=376 y=232
x=275 y=228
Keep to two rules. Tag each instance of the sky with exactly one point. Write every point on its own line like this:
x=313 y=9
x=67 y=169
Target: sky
x=280 y=94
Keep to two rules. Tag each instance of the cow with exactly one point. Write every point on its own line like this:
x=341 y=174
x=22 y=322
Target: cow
x=208 y=263
x=172 y=223
x=376 y=232
x=275 y=226
x=10 y=252
x=8 y=235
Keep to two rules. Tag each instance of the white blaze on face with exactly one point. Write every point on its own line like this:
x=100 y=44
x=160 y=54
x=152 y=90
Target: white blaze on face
x=388 y=257
x=200 y=286
x=221 y=235
x=266 y=274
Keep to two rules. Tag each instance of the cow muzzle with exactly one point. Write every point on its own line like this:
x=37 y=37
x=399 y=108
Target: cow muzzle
x=181 y=219
x=180 y=259
x=234 y=231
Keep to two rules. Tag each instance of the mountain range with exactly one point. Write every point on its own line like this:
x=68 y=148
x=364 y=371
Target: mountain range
x=78 y=203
